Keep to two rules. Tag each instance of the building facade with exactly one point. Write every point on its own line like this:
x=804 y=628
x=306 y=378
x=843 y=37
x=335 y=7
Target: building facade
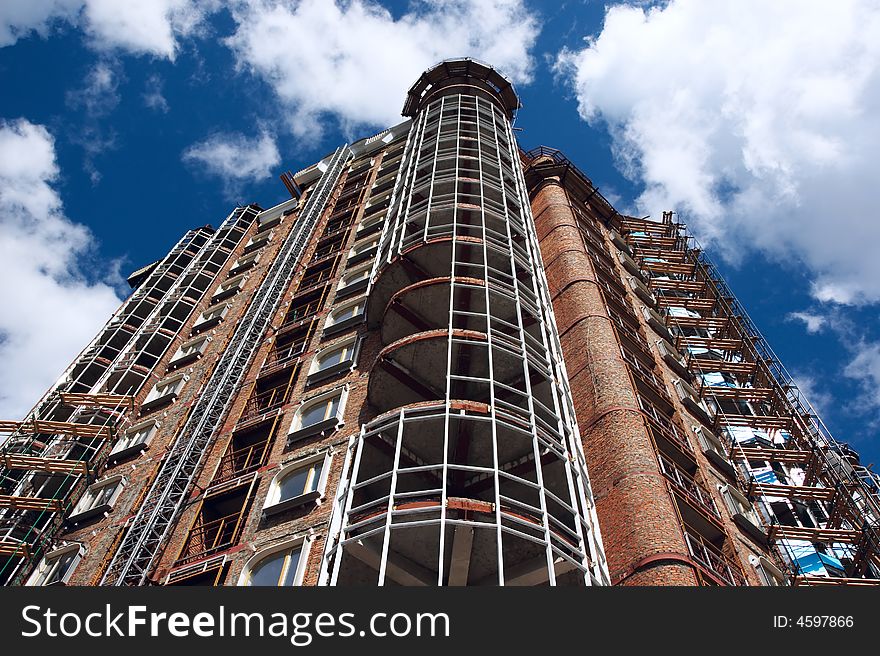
x=444 y=361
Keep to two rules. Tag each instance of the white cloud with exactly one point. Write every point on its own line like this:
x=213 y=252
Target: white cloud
x=99 y=94
x=865 y=369
x=813 y=322
x=356 y=61
x=143 y=27
x=97 y=97
x=153 y=96
x=234 y=157
x=50 y=310
x=810 y=388
x=18 y=18
x=758 y=121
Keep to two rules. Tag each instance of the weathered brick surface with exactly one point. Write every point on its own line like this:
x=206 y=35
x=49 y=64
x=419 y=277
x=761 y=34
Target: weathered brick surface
x=636 y=515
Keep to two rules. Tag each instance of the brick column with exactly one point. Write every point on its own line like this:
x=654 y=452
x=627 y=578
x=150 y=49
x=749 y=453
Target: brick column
x=640 y=529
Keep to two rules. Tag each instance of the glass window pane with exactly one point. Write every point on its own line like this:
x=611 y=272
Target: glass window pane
x=330 y=359
x=312 y=483
x=268 y=570
x=293 y=484
x=313 y=414
x=292 y=565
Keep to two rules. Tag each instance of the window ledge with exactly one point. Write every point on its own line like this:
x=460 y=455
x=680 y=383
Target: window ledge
x=206 y=325
x=294 y=502
x=749 y=528
x=183 y=360
x=720 y=463
x=115 y=457
x=158 y=402
x=352 y=288
x=226 y=293
x=329 y=372
x=362 y=257
x=91 y=513
x=328 y=425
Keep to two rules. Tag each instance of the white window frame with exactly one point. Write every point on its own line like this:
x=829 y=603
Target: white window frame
x=152 y=427
x=259 y=240
x=275 y=504
x=200 y=341
x=737 y=504
x=358 y=269
x=362 y=246
x=304 y=543
x=222 y=307
x=349 y=321
x=230 y=286
x=246 y=261
x=55 y=556
x=86 y=507
x=370 y=221
x=351 y=343
x=770 y=575
x=710 y=442
x=178 y=380
x=297 y=430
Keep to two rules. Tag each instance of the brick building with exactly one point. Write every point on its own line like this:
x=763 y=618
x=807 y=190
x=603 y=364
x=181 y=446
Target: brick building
x=443 y=361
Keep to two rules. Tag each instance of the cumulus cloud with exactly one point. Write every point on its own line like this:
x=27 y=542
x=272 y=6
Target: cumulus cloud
x=757 y=120
x=235 y=158
x=143 y=27
x=355 y=61
x=50 y=309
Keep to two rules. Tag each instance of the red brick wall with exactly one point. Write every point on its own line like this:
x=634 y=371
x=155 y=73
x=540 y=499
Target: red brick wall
x=637 y=518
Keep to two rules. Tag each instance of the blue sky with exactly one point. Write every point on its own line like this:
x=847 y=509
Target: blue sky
x=124 y=124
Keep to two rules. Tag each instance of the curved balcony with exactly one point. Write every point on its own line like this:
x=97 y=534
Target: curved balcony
x=455 y=465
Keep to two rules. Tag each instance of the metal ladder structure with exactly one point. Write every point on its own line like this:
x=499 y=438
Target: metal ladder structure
x=146 y=534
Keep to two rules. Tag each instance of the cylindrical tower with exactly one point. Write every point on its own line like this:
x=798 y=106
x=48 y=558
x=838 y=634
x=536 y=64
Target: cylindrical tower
x=472 y=472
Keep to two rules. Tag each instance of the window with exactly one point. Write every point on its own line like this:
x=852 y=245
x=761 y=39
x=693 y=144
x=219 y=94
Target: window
x=244 y=262
x=297 y=483
x=345 y=316
x=769 y=574
x=258 y=241
x=189 y=351
x=333 y=360
x=279 y=567
x=363 y=250
x=134 y=440
x=211 y=317
x=743 y=513
x=322 y=413
x=354 y=280
x=97 y=499
x=57 y=566
x=229 y=288
x=165 y=391
x=371 y=224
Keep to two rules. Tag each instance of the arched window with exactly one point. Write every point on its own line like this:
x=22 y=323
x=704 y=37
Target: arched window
x=333 y=360
x=322 y=413
x=297 y=483
x=277 y=566
x=354 y=280
x=345 y=316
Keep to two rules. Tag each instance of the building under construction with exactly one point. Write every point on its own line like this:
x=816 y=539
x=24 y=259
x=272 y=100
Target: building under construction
x=443 y=361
